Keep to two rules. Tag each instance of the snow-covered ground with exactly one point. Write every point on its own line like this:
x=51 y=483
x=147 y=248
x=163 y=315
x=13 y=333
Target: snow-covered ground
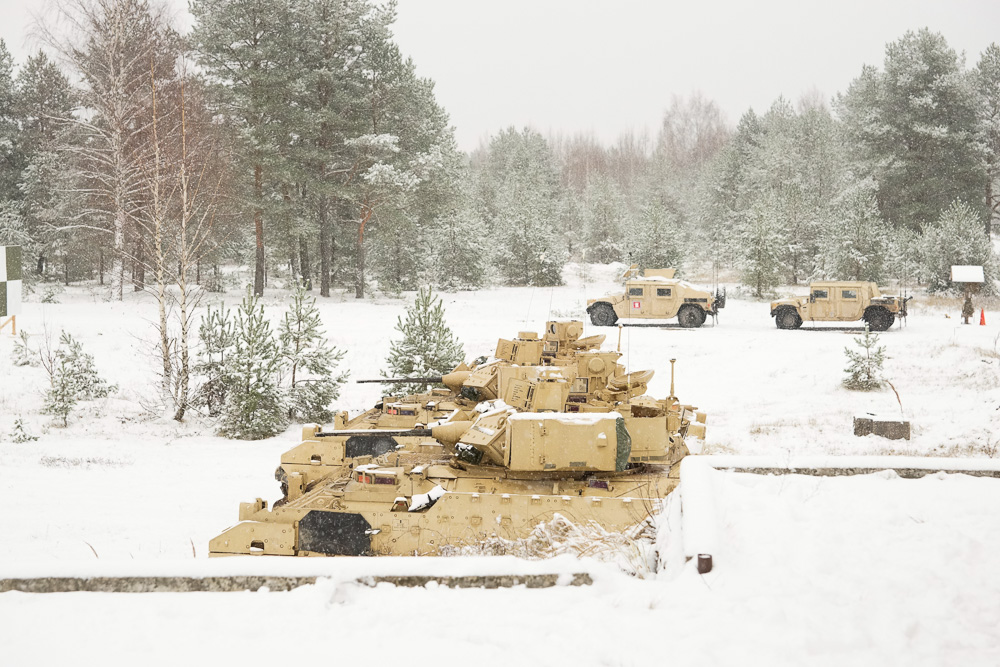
x=868 y=570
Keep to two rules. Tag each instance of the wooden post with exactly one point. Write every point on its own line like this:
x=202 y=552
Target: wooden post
x=12 y=321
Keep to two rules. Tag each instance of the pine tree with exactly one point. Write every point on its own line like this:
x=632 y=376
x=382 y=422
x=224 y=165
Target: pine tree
x=254 y=408
x=856 y=240
x=310 y=363
x=44 y=105
x=10 y=150
x=72 y=377
x=428 y=346
x=22 y=354
x=657 y=239
x=517 y=196
x=760 y=246
x=986 y=80
x=216 y=333
x=89 y=383
x=20 y=434
x=953 y=239
x=912 y=128
x=247 y=50
x=459 y=259
x=864 y=368
x=604 y=221
x=63 y=393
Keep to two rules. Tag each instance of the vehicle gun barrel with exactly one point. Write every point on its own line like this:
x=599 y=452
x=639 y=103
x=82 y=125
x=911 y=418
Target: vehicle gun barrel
x=424 y=432
x=449 y=432
x=434 y=379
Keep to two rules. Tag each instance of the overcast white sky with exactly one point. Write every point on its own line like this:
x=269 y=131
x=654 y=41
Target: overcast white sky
x=608 y=66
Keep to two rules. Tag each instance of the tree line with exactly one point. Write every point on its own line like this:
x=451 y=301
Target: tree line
x=295 y=138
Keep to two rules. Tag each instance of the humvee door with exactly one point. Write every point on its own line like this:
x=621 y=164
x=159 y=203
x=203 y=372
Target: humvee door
x=821 y=306
x=664 y=300
x=849 y=304
x=638 y=299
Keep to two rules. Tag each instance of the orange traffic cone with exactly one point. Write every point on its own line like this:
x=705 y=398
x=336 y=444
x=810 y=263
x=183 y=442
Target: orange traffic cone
x=982 y=317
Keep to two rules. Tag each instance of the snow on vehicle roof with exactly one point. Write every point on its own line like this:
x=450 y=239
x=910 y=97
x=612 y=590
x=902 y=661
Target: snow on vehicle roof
x=586 y=418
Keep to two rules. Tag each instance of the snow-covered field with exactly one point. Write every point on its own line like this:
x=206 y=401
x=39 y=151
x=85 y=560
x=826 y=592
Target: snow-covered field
x=867 y=570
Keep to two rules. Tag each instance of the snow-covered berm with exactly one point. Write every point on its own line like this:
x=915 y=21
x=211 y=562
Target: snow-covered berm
x=867 y=570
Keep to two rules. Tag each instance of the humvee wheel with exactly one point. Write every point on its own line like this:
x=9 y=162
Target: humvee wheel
x=787 y=318
x=690 y=317
x=879 y=319
x=603 y=315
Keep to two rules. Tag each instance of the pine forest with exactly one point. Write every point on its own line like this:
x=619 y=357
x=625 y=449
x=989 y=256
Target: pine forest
x=294 y=142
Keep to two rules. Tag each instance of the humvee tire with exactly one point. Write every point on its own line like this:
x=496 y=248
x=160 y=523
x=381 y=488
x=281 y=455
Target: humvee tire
x=787 y=318
x=878 y=318
x=690 y=317
x=603 y=315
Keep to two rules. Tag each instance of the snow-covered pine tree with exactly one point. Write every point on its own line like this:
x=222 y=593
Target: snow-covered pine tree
x=912 y=127
x=459 y=252
x=864 y=367
x=604 y=221
x=216 y=333
x=254 y=407
x=89 y=384
x=856 y=239
x=760 y=248
x=657 y=239
x=956 y=237
x=518 y=197
x=64 y=390
x=428 y=346
x=20 y=434
x=986 y=80
x=22 y=354
x=72 y=378
x=10 y=144
x=310 y=362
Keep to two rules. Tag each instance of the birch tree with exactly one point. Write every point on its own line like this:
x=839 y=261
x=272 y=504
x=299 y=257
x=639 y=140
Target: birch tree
x=112 y=45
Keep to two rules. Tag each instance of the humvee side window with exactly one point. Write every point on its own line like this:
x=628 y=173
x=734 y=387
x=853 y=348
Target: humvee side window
x=849 y=294
x=820 y=294
x=662 y=291
x=635 y=291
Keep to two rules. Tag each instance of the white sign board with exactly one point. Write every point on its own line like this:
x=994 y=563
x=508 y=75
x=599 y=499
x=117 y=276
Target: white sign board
x=967 y=274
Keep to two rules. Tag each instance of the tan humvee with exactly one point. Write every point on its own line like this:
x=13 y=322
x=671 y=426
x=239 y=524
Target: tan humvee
x=840 y=301
x=656 y=294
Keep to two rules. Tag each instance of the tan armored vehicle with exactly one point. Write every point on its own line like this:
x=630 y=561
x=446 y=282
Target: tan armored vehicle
x=656 y=294
x=512 y=447
x=840 y=301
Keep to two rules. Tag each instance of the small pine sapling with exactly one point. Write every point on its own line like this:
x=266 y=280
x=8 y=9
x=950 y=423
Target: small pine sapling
x=90 y=384
x=72 y=377
x=254 y=407
x=64 y=391
x=22 y=354
x=216 y=333
x=20 y=433
x=310 y=363
x=864 y=368
x=428 y=346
